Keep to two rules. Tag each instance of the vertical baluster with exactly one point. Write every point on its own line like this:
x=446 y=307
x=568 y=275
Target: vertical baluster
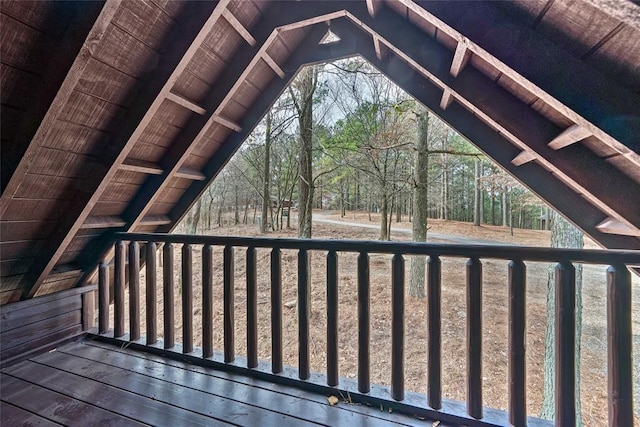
x=363 y=323
x=304 y=368
x=168 y=295
x=118 y=289
x=434 y=340
x=474 y=338
x=332 y=318
x=397 y=327
x=152 y=316
x=229 y=307
x=187 y=298
x=103 y=298
x=517 y=344
x=207 y=301
x=252 y=309
x=134 y=291
x=619 y=346
x=565 y=344
x=276 y=312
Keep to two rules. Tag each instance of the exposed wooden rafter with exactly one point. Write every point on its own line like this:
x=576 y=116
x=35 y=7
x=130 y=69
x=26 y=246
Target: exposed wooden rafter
x=373 y=6
x=140 y=166
x=460 y=58
x=570 y=135
x=196 y=28
x=446 y=99
x=100 y=222
x=237 y=25
x=613 y=226
x=377 y=47
x=180 y=100
x=226 y=123
x=522 y=158
x=274 y=66
x=565 y=100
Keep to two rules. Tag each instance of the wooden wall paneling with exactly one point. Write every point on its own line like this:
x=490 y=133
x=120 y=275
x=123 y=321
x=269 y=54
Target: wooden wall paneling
x=108 y=208
x=125 y=53
x=180 y=50
x=425 y=26
x=197 y=161
x=11 y=117
x=7 y=297
x=147 y=152
x=50 y=286
x=191 y=87
x=278 y=51
x=159 y=208
x=26 y=229
x=586 y=26
x=522 y=93
x=92 y=112
x=15 y=267
x=170 y=195
x=246 y=12
x=145 y=21
x=118 y=192
x=37 y=16
x=180 y=183
x=52 y=162
x=223 y=41
x=173 y=114
x=46 y=187
x=292 y=38
x=108 y=83
x=18 y=249
x=77 y=138
x=616 y=57
x=128 y=177
x=29 y=326
x=234 y=110
x=159 y=133
x=19 y=39
x=206 y=65
x=89 y=21
x=30 y=209
x=17 y=86
x=555 y=116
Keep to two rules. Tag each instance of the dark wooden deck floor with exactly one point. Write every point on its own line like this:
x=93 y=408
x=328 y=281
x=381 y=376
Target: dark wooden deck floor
x=89 y=383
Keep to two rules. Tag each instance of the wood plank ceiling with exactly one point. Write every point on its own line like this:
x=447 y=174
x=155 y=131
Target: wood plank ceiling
x=117 y=115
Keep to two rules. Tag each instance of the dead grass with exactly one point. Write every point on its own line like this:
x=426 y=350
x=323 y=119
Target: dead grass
x=495 y=319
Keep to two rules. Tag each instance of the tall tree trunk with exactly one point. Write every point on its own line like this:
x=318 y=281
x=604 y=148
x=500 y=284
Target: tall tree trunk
x=193 y=229
x=504 y=207
x=476 y=193
x=266 y=177
x=236 y=201
x=493 y=205
x=420 y=198
x=563 y=235
x=306 y=85
x=384 y=208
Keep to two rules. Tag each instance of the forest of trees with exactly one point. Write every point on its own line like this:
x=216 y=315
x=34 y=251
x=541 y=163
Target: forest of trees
x=361 y=154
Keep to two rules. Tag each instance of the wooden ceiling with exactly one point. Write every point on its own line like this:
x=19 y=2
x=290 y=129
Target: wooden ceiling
x=117 y=115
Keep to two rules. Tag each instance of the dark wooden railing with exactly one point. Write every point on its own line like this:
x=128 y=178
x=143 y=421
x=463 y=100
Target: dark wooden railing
x=618 y=309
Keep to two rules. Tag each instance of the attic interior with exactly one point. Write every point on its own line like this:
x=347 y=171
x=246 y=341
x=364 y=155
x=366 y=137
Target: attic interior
x=117 y=115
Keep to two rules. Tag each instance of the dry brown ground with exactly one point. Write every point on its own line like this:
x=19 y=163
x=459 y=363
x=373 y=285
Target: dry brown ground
x=495 y=320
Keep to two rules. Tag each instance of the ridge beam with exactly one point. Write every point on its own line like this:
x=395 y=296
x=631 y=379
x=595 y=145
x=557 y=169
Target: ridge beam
x=570 y=135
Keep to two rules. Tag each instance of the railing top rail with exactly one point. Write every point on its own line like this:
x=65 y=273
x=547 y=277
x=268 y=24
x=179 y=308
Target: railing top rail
x=499 y=251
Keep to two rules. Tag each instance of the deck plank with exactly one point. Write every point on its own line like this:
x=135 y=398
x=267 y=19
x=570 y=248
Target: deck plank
x=54 y=406
x=374 y=415
x=16 y=417
x=110 y=398
x=227 y=405
x=281 y=399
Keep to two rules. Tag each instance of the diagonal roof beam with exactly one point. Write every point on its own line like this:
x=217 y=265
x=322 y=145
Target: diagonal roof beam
x=276 y=19
x=571 y=135
x=305 y=54
x=572 y=97
x=526 y=128
x=60 y=77
x=460 y=58
x=199 y=20
x=237 y=25
x=494 y=144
